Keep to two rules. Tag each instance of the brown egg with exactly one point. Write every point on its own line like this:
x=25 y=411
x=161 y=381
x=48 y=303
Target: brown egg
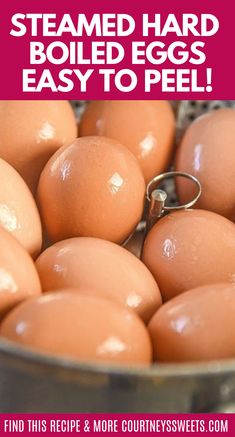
x=92 y=188
x=31 y=131
x=208 y=152
x=81 y=327
x=187 y=249
x=18 y=211
x=145 y=127
x=197 y=325
x=101 y=268
x=18 y=275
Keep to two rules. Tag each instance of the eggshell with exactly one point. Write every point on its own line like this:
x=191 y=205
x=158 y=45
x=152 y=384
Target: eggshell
x=187 y=249
x=18 y=210
x=31 y=131
x=81 y=327
x=18 y=275
x=208 y=152
x=101 y=268
x=197 y=325
x=91 y=188
x=145 y=127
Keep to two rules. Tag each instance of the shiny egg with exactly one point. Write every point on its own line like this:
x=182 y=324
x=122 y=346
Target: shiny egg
x=102 y=269
x=80 y=327
x=18 y=211
x=187 y=249
x=31 y=131
x=207 y=151
x=18 y=276
x=198 y=325
x=92 y=188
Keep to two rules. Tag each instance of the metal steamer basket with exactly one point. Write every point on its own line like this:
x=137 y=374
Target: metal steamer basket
x=30 y=382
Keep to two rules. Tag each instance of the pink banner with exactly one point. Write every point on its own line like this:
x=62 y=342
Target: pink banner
x=117 y=50
x=118 y=424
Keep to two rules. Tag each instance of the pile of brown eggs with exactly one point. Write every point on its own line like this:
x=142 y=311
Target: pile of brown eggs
x=70 y=197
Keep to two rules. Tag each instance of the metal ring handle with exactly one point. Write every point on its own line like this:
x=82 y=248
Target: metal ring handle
x=155 y=181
